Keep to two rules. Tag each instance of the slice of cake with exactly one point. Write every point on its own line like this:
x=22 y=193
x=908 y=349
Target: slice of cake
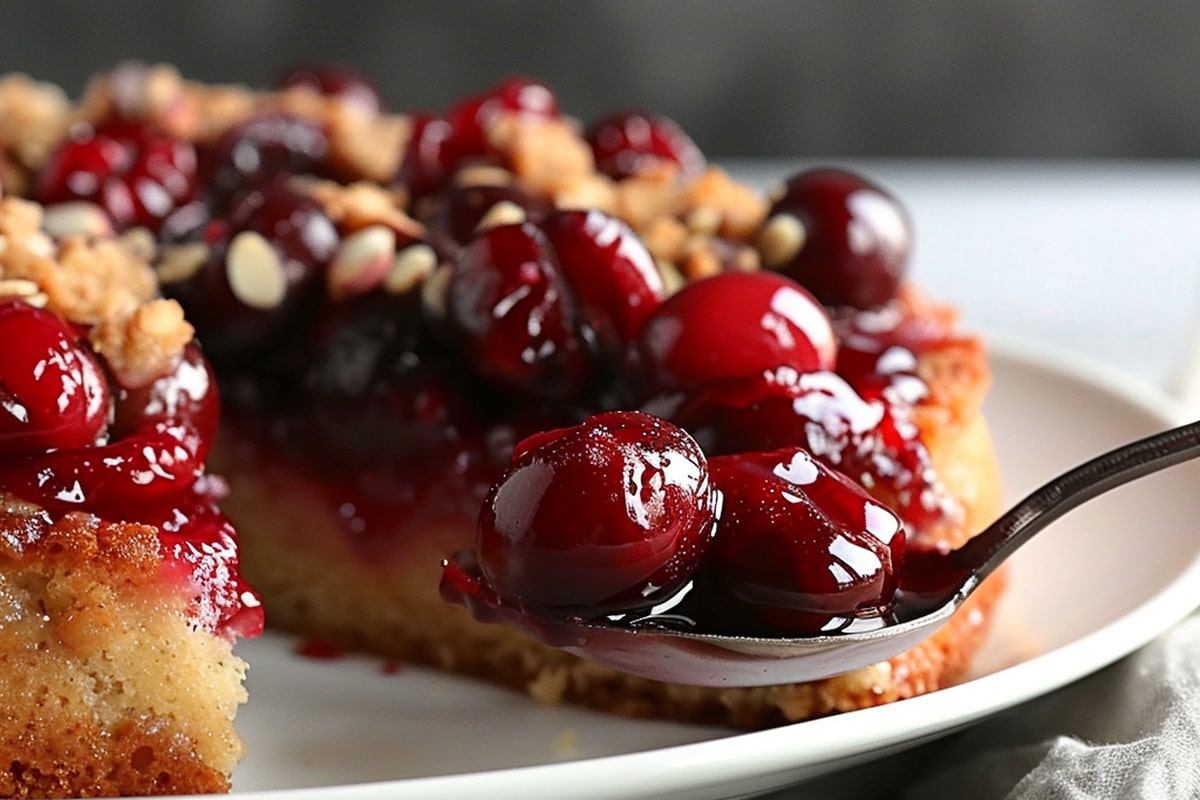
x=120 y=595
x=393 y=301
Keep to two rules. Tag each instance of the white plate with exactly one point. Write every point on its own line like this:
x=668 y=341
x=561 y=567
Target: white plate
x=1102 y=582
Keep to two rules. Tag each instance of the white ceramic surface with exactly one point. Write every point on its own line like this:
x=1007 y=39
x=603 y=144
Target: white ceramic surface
x=1097 y=585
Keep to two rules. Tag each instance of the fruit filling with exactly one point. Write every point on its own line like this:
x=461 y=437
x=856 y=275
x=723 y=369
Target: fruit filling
x=73 y=439
x=664 y=389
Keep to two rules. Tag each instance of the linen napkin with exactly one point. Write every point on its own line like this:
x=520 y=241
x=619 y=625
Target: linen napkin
x=1130 y=731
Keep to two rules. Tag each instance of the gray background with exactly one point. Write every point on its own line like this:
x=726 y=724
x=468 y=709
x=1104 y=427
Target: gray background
x=1015 y=78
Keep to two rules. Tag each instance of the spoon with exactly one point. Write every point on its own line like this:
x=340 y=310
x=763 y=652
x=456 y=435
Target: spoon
x=934 y=584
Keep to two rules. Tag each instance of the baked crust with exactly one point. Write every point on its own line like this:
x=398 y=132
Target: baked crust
x=106 y=686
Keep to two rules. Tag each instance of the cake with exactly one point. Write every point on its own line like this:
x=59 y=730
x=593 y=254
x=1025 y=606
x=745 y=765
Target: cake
x=395 y=303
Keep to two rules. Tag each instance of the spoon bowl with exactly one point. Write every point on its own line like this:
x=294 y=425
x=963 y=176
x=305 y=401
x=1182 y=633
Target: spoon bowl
x=933 y=586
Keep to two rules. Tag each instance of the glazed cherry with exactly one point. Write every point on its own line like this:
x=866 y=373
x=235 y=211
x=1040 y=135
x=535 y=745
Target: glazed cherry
x=514 y=315
x=337 y=81
x=263 y=147
x=611 y=271
x=735 y=325
x=800 y=549
x=844 y=238
x=438 y=146
x=263 y=273
x=628 y=142
x=134 y=171
x=53 y=393
x=458 y=210
x=188 y=393
x=606 y=516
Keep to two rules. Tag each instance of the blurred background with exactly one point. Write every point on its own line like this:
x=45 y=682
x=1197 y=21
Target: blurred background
x=993 y=78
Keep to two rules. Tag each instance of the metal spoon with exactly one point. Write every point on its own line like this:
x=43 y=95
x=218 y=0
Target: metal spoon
x=934 y=585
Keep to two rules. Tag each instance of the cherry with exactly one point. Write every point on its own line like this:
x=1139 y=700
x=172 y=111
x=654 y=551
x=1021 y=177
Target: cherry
x=608 y=515
x=134 y=171
x=800 y=549
x=515 y=316
x=438 y=146
x=53 y=393
x=628 y=142
x=335 y=81
x=263 y=147
x=844 y=238
x=611 y=271
x=263 y=274
x=734 y=325
x=458 y=210
x=188 y=393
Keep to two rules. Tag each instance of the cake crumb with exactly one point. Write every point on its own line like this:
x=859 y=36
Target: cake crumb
x=566 y=743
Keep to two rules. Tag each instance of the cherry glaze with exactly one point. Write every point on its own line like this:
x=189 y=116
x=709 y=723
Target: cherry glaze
x=334 y=80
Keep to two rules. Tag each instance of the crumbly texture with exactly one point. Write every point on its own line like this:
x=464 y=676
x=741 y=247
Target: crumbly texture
x=107 y=688
x=314 y=584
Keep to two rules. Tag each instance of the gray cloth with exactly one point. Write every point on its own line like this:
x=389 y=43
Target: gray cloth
x=1130 y=731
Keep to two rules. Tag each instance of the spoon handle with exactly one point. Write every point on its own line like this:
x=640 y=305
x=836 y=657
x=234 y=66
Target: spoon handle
x=985 y=552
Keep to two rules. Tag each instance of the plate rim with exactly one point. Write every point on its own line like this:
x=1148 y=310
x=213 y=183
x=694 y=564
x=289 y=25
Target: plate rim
x=713 y=764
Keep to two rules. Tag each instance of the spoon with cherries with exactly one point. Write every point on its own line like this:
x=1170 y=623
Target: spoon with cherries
x=715 y=594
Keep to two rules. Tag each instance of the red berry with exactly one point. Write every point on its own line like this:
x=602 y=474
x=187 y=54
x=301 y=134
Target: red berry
x=735 y=325
x=335 y=81
x=263 y=147
x=514 y=315
x=457 y=211
x=611 y=271
x=606 y=516
x=800 y=549
x=845 y=239
x=135 y=172
x=629 y=142
x=53 y=393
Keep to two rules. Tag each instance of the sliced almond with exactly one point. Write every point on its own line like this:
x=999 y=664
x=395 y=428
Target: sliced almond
x=141 y=242
x=26 y=290
x=672 y=278
x=411 y=267
x=255 y=271
x=780 y=239
x=362 y=261
x=506 y=212
x=433 y=291
x=76 y=218
x=181 y=261
x=483 y=175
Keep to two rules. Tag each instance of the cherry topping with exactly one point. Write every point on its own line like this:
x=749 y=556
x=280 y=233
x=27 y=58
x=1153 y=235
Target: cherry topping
x=263 y=147
x=335 y=81
x=735 y=325
x=459 y=211
x=611 y=271
x=605 y=516
x=514 y=314
x=188 y=393
x=800 y=549
x=845 y=239
x=53 y=393
x=628 y=142
x=263 y=274
x=440 y=145
x=134 y=171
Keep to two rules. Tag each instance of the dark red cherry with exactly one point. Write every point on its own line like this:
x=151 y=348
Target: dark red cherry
x=335 y=81
x=188 y=393
x=264 y=273
x=430 y=156
x=514 y=315
x=611 y=271
x=134 y=171
x=734 y=325
x=53 y=393
x=458 y=210
x=800 y=549
x=470 y=117
x=844 y=238
x=606 y=516
x=627 y=142
x=263 y=147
